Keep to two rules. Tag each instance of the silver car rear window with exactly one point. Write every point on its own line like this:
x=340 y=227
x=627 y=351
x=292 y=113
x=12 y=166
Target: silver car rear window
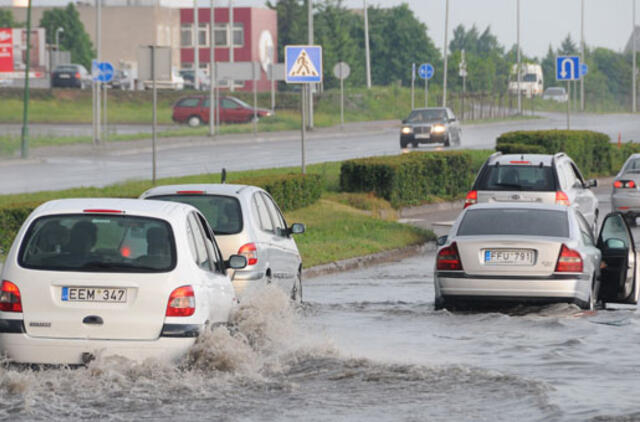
x=223 y=213
x=517 y=177
x=514 y=221
x=98 y=243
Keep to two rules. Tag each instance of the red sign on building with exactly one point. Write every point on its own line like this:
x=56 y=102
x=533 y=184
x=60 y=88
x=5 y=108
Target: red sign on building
x=6 y=50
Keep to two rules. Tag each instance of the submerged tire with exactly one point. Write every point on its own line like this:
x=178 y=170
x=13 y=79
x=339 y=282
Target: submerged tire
x=296 y=291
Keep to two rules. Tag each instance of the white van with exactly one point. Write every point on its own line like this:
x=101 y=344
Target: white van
x=531 y=82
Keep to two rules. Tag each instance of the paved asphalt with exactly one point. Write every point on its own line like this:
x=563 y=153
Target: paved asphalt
x=74 y=166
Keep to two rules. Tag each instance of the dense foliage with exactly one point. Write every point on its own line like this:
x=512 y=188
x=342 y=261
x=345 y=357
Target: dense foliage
x=74 y=38
x=6 y=19
x=410 y=178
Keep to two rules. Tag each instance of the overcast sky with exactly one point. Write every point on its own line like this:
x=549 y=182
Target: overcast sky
x=607 y=22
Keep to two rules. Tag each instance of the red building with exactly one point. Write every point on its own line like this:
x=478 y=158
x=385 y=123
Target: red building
x=255 y=39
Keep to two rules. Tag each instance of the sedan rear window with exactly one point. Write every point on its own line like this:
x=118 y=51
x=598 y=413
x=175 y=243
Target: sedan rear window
x=223 y=213
x=98 y=243
x=514 y=221
x=517 y=177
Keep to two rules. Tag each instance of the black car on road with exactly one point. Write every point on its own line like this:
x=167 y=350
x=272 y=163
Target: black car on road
x=430 y=126
x=70 y=76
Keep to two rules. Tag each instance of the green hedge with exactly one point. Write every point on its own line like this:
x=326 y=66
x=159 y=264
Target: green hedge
x=290 y=191
x=411 y=178
x=590 y=150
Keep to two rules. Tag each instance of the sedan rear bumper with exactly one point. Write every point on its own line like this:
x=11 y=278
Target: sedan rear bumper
x=570 y=287
x=626 y=202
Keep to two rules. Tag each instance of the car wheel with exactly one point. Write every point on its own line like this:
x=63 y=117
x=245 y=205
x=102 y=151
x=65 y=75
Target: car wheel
x=440 y=304
x=631 y=220
x=415 y=144
x=194 y=121
x=590 y=304
x=447 y=142
x=296 y=291
x=403 y=144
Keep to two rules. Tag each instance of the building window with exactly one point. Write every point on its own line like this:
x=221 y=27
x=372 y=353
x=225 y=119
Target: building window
x=186 y=35
x=203 y=32
x=238 y=34
x=220 y=35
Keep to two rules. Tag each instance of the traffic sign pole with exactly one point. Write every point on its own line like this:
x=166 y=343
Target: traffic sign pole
x=568 y=105
x=426 y=92
x=303 y=106
x=413 y=83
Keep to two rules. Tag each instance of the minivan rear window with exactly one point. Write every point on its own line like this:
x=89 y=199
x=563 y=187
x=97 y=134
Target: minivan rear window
x=514 y=221
x=98 y=243
x=189 y=102
x=223 y=213
x=517 y=177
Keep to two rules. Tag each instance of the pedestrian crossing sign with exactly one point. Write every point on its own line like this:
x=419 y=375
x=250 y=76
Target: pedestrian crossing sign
x=303 y=64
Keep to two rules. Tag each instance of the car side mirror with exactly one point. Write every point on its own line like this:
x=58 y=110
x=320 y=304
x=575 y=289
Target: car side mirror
x=297 y=228
x=236 y=262
x=592 y=183
x=442 y=240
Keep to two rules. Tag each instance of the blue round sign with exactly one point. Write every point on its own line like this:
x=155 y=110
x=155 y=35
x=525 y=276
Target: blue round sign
x=103 y=72
x=426 y=71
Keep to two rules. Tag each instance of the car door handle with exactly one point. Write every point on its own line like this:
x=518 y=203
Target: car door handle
x=93 y=320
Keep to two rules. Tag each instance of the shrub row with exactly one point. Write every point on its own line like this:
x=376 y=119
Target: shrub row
x=290 y=191
x=411 y=178
x=591 y=151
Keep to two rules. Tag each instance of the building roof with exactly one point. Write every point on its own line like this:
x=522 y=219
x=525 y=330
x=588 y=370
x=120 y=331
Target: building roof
x=636 y=34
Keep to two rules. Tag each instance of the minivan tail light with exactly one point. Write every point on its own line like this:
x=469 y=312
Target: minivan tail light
x=10 y=300
x=562 y=198
x=249 y=251
x=472 y=198
x=448 y=258
x=182 y=302
x=569 y=261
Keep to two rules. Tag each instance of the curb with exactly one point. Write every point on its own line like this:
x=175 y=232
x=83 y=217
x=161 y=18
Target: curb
x=367 y=260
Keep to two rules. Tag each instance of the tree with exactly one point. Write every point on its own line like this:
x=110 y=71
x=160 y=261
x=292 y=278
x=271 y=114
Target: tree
x=292 y=22
x=6 y=19
x=74 y=39
x=568 y=47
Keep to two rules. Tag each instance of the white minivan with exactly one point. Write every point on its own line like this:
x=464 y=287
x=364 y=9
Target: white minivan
x=246 y=221
x=89 y=277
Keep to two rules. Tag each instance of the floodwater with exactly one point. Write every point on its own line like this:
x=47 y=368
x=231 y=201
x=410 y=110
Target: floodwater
x=366 y=346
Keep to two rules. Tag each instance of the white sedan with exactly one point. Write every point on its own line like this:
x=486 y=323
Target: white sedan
x=89 y=277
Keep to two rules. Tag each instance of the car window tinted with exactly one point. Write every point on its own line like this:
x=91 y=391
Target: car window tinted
x=514 y=221
x=263 y=213
x=223 y=213
x=422 y=116
x=227 y=103
x=96 y=243
x=189 y=102
x=517 y=177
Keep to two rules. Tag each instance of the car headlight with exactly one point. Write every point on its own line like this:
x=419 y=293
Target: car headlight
x=438 y=129
x=267 y=114
x=407 y=130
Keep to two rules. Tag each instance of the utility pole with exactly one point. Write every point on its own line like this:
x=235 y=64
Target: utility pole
x=445 y=50
x=231 y=37
x=212 y=69
x=519 y=65
x=58 y=31
x=310 y=86
x=367 y=53
x=196 y=46
x=24 y=146
x=582 y=55
x=96 y=83
x=634 y=104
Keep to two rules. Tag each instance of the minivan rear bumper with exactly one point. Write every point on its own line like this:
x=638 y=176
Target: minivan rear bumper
x=21 y=348
x=573 y=287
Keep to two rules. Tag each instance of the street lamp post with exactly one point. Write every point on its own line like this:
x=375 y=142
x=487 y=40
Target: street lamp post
x=231 y=42
x=634 y=76
x=196 y=46
x=445 y=49
x=310 y=86
x=367 y=53
x=519 y=65
x=212 y=69
x=582 y=55
x=24 y=145
x=58 y=31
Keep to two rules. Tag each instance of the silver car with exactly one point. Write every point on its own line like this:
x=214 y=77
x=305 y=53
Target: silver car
x=625 y=196
x=246 y=221
x=535 y=253
x=549 y=179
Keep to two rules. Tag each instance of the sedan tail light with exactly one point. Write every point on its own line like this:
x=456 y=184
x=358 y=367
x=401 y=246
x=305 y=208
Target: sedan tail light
x=562 y=198
x=448 y=258
x=78 y=76
x=624 y=184
x=249 y=251
x=182 y=302
x=10 y=297
x=569 y=261
x=472 y=198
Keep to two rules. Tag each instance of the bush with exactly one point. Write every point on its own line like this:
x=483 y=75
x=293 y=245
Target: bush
x=620 y=155
x=411 y=178
x=590 y=150
x=291 y=191
x=11 y=219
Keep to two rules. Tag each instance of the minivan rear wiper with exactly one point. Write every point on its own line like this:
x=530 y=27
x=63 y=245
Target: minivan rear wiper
x=510 y=185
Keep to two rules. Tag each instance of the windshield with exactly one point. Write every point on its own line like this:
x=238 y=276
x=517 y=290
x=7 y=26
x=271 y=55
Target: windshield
x=632 y=166
x=99 y=243
x=530 y=77
x=223 y=213
x=517 y=177
x=424 y=116
x=514 y=221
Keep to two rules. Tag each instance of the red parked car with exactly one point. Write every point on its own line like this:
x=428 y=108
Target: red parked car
x=194 y=110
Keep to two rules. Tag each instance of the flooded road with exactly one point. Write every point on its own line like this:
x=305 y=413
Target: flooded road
x=367 y=346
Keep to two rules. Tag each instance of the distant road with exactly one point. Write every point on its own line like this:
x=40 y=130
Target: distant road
x=74 y=166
